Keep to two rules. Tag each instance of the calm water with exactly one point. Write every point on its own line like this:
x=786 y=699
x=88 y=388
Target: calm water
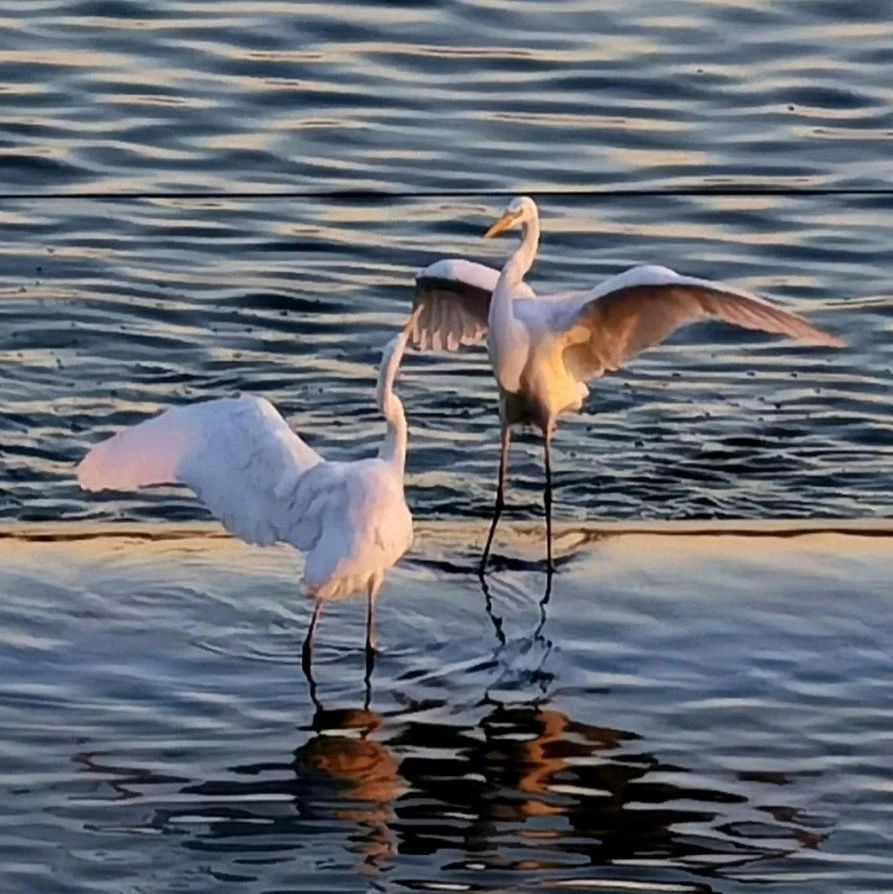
x=693 y=714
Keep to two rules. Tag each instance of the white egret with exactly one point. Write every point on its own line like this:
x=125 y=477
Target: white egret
x=544 y=349
x=266 y=485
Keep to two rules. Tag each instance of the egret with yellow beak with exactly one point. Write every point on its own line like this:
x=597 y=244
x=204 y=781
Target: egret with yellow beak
x=545 y=349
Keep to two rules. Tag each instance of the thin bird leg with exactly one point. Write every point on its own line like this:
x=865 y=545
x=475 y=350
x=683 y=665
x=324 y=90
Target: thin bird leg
x=538 y=633
x=488 y=605
x=307 y=654
x=371 y=638
x=547 y=500
x=500 y=495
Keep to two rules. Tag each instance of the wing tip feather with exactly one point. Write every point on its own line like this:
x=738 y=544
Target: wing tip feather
x=832 y=341
x=814 y=337
x=89 y=472
x=85 y=478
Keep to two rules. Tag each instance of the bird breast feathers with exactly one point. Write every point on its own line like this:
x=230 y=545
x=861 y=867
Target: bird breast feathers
x=334 y=493
x=351 y=518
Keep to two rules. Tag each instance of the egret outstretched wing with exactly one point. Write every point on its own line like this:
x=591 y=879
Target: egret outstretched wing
x=237 y=454
x=544 y=348
x=644 y=305
x=453 y=298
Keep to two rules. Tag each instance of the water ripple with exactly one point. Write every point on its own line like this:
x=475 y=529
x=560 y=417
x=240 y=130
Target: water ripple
x=654 y=733
x=263 y=93
x=191 y=300
x=685 y=714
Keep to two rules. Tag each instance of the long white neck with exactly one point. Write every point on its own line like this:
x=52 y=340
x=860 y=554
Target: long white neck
x=513 y=273
x=393 y=450
x=521 y=261
x=507 y=338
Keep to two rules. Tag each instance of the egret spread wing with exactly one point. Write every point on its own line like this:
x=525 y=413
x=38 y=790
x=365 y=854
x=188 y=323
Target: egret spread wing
x=454 y=300
x=645 y=305
x=237 y=454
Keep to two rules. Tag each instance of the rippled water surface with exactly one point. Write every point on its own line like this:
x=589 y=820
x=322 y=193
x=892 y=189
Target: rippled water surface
x=191 y=93
x=686 y=712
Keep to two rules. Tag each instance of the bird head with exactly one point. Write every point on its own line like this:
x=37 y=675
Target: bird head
x=520 y=210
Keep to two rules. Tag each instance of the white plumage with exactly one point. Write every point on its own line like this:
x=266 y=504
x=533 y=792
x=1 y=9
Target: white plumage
x=545 y=348
x=266 y=485
x=453 y=297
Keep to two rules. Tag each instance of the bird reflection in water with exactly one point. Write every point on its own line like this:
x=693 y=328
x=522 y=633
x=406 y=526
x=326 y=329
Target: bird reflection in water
x=494 y=794
x=523 y=793
x=343 y=773
x=343 y=765
x=497 y=620
x=529 y=789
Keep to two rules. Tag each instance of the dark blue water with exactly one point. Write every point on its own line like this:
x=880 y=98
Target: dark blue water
x=685 y=714
x=124 y=94
x=704 y=714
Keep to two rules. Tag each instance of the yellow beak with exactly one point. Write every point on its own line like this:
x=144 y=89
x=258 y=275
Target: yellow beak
x=504 y=223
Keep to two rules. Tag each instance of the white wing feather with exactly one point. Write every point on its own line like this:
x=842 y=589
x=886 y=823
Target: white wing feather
x=644 y=306
x=453 y=304
x=265 y=484
x=237 y=454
